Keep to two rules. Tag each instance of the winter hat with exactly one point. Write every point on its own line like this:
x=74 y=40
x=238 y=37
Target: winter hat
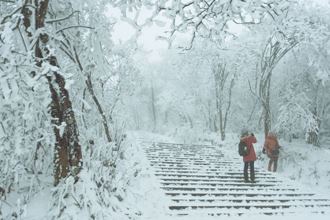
x=244 y=132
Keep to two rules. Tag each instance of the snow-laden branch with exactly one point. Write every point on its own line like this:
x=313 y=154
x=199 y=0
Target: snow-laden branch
x=10 y=15
x=61 y=19
x=15 y=12
x=74 y=26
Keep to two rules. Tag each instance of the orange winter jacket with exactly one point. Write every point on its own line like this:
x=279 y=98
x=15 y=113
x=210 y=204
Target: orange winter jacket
x=271 y=144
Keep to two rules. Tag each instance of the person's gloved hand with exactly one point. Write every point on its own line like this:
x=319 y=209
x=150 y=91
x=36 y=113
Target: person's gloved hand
x=263 y=150
x=252 y=134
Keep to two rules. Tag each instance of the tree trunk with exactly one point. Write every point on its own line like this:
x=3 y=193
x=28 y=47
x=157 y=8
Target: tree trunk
x=153 y=108
x=221 y=81
x=67 y=158
x=266 y=110
x=221 y=125
x=91 y=91
x=313 y=136
x=99 y=107
x=273 y=52
x=68 y=155
x=267 y=120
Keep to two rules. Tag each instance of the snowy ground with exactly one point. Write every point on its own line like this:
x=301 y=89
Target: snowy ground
x=138 y=195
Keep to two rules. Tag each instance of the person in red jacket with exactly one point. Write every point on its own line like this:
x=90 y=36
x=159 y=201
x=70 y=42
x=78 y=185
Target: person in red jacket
x=249 y=140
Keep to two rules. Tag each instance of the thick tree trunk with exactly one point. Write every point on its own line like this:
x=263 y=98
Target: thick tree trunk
x=67 y=158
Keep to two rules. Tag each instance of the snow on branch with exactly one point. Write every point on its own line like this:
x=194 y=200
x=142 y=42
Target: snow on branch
x=10 y=15
x=207 y=19
x=8 y=1
x=74 y=26
x=62 y=19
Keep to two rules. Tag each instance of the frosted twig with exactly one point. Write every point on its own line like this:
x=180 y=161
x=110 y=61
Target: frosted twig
x=73 y=26
x=62 y=19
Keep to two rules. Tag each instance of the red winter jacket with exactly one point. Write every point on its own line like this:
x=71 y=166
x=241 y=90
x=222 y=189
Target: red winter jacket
x=249 y=141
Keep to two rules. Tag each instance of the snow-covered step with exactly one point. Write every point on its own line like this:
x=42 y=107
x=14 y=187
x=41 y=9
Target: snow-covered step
x=193 y=169
x=201 y=193
x=206 y=176
x=256 y=205
x=218 y=172
x=178 y=156
x=269 y=182
x=227 y=187
x=181 y=162
x=222 y=184
x=250 y=200
x=190 y=166
x=272 y=210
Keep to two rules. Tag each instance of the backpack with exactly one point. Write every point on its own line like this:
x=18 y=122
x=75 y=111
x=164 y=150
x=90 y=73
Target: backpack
x=243 y=149
x=275 y=152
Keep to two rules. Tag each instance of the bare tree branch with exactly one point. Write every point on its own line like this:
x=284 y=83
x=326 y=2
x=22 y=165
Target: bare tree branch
x=74 y=26
x=61 y=19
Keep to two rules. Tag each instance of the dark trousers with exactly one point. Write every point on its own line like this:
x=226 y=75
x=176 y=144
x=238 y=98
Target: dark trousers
x=272 y=164
x=246 y=175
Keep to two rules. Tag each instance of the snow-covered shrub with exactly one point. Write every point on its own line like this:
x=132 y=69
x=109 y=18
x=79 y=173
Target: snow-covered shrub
x=294 y=115
x=25 y=128
x=106 y=190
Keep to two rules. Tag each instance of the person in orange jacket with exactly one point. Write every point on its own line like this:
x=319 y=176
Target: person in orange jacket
x=249 y=140
x=271 y=148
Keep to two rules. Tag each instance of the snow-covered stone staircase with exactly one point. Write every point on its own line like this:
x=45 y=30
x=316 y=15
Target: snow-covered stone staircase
x=200 y=179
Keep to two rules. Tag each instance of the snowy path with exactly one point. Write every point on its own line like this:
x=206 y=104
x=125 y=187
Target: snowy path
x=203 y=180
